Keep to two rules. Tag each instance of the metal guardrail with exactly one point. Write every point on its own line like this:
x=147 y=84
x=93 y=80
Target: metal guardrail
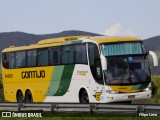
x=91 y=108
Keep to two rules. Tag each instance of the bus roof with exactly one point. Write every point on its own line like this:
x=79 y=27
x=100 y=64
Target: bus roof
x=111 y=39
x=70 y=39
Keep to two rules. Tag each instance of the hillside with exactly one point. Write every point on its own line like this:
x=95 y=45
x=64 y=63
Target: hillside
x=152 y=43
x=21 y=38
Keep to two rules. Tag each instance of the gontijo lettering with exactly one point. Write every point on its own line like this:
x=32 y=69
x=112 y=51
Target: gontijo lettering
x=33 y=74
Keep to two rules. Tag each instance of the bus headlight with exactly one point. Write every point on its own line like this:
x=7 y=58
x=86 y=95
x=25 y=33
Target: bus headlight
x=147 y=89
x=112 y=91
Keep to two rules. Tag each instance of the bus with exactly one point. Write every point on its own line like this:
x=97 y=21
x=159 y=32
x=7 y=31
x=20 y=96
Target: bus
x=78 y=69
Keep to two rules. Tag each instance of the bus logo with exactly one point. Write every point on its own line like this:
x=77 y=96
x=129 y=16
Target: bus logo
x=82 y=73
x=97 y=96
x=33 y=74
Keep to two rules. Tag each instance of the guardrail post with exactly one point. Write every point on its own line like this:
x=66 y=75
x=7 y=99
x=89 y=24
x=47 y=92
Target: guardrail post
x=19 y=107
x=95 y=107
x=139 y=110
x=143 y=108
x=90 y=109
x=52 y=108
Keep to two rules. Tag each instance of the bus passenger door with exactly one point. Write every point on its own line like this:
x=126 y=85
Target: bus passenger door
x=97 y=84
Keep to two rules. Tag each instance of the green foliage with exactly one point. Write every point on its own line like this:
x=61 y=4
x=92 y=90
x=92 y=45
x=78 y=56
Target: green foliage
x=155 y=99
x=155 y=85
x=1 y=90
x=1 y=81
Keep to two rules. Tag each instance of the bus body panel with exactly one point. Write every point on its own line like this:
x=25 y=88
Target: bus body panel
x=26 y=78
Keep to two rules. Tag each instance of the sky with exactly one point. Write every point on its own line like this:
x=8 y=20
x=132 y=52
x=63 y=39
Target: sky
x=139 y=18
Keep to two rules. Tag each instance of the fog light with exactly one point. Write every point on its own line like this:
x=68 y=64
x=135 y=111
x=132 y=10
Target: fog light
x=112 y=91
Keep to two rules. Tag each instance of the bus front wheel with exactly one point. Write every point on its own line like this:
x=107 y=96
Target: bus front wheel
x=28 y=97
x=84 y=97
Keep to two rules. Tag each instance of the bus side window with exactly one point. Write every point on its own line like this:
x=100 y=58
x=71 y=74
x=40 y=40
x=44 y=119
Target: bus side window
x=5 y=60
x=20 y=59
x=42 y=57
x=80 y=54
x=12 y=60
x=95 y=64
x=31 y=58
x=55 y=56
x=67 y=54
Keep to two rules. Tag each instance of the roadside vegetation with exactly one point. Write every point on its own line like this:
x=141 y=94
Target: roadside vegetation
x=155 y=99
x=1 y=90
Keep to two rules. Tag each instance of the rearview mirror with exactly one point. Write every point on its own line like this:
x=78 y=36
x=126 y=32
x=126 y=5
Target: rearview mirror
x=154 y=57
x=103 y=62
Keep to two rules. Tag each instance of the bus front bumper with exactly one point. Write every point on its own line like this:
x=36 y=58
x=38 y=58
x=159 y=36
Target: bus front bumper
x=128 y=96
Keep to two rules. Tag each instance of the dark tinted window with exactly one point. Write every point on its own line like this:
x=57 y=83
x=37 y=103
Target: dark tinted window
x=80 y=54
x=5 y=59
x=72 y=54
x=20 y=59
x=42 y=57
x=12 y=60
x=67 y=55
x=31 y=58
x=55 y=56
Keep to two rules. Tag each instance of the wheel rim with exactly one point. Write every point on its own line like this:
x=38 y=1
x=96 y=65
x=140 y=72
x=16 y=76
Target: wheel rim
x=84 y=98
x=28 y=98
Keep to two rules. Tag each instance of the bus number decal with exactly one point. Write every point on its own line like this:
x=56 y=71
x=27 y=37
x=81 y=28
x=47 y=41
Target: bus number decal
x=33 y=74
x=8 y=75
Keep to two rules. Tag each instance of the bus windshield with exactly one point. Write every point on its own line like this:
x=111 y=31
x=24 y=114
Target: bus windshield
x=126 y=63
x=128 y=69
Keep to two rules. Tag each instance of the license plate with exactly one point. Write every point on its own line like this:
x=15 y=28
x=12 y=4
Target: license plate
x=131 y=96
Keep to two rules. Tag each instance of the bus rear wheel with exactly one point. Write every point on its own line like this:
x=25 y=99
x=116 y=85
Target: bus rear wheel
x=28 y=97
x=20 y=97
x=84 y=97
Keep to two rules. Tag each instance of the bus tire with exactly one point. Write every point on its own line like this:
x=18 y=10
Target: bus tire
x=83 y=97
x=28 y=97
x=19 y=96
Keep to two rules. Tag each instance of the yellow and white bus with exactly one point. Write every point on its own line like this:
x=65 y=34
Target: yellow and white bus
x=78 y=69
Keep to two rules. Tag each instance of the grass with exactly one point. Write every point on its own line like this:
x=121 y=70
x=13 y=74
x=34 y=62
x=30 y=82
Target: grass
x=156 y=85
x=1 y=90
x=85 y=118
x=152 y=100
x=155 y=99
